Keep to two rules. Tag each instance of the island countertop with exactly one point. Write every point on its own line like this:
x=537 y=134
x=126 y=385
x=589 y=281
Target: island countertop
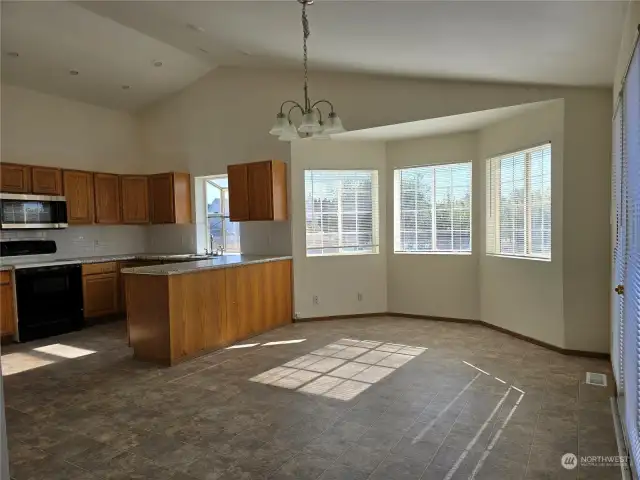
x=224 y=261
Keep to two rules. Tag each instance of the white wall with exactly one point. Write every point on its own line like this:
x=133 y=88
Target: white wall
x=521 y=295
x=224 y=118
x=627 y=42
x=41 y=129
x=336 y=280
x=440 y=285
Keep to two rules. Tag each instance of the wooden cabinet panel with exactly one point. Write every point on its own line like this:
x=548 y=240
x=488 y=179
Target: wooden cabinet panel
x=161 y=198
x=135 y=199
x=170 y=198
x=100 y=293
x=78 y=189
x=97 y=268
x=198 y=312
x=260 y=191
x=107 y=198
x=15 y=178
x=7 y=310
x=46 y=181
x=238 y=192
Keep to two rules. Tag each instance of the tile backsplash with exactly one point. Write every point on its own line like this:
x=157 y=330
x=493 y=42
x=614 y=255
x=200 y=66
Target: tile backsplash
x=87 y=241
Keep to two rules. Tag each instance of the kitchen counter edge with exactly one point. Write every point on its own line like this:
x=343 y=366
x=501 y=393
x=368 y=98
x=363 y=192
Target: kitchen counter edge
x=203 y=265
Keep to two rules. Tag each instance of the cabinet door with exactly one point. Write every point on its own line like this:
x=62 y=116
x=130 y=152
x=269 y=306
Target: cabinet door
x=15 y=178
x=100 y=293
x=241 y=303
x=161 y=198
x=7 y=312
x=279 y=189
x=135 y=199
x=238 y=193
x=260 y=191
x=107 y=192
x=78 y=189
x=46 y=181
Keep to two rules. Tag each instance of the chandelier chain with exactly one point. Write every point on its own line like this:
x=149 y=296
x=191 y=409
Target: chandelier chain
x=305 y=32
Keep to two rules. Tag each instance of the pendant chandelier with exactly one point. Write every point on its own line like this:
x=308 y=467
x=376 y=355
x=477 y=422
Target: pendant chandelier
x=313 y=124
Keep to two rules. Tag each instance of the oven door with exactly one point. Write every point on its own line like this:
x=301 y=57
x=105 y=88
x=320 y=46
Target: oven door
x=49 y=301
x=32 y=211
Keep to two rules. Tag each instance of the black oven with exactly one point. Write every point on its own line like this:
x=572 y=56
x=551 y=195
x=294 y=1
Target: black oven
x=49 y=301
x=19 y=211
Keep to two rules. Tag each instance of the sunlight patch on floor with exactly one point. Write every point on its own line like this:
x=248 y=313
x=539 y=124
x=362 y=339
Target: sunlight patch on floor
x=65 y=351
x=342 y=369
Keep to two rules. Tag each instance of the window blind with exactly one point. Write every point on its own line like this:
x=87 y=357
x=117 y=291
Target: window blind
x=341 y=211
x=433 y=208
x=519 y=203
x=631 y=160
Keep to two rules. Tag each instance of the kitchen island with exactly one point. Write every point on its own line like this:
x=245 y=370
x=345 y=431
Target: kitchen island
x=179 y=311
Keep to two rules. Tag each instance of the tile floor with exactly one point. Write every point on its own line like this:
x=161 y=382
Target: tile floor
x=84 y=409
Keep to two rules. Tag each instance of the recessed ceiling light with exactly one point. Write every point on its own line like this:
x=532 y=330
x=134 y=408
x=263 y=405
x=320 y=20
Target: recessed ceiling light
x=74 y=72
x=13 y=54
x=157 y=63
x=195 y=28
x=126 y=87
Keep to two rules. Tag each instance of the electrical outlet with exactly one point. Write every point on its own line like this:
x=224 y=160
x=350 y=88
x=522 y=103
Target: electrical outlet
x=359 y=296
x=316 y=301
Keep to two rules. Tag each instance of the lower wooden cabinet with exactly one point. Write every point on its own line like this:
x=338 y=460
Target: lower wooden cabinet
x=7 y=306
x=175 y=317
x=100 y=291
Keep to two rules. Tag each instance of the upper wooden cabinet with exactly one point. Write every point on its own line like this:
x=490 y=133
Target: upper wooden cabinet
x=107 y=198
x=46 y=181
x=258 y=191
x=15 y=178
x=134 y=191
x=78 y=189
x=170 y=198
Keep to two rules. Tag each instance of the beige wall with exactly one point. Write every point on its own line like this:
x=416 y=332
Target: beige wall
x=441 y=285
x=522 y=295
x=41 y=129
x=336 y=280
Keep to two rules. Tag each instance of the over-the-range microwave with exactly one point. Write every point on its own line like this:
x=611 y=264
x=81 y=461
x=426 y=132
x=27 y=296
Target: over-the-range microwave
x=20 y=211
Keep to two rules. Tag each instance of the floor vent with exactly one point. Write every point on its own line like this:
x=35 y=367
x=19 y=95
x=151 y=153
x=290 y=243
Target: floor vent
x=598 y=379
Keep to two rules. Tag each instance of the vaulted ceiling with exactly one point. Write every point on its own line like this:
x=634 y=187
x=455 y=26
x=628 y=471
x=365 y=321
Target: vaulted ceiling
x=117 y=44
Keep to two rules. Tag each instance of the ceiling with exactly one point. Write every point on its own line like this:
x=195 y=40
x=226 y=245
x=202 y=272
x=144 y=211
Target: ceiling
x=466 y=122
x=114 y=43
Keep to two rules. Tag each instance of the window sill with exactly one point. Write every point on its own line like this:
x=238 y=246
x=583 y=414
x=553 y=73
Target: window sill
x=520 y=257
x=346 y=254
x=434 y=253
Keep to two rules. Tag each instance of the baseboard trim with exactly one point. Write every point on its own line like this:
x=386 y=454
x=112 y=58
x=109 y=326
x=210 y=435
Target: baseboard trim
x=339 y=317
x=540 y=343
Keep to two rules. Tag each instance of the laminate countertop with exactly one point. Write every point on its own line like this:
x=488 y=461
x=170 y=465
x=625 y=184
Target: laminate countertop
x=225 y=261
x=9 y=263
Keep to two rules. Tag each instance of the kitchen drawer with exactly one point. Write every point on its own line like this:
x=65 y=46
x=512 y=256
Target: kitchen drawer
x=98 y=268
x=5 y=278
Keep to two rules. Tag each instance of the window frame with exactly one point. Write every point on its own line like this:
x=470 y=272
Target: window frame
x=375 y=216
x=397 y=199
x=223 y=216
x=493 y=209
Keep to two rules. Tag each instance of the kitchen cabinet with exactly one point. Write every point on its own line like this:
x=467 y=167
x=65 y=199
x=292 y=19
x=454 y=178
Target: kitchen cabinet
x=46 y=181
x=170 y=198
x=135 y=198
x=7 y=305
x=15 y=178
x=100 y=288
x=258 y=191
x=78 y=189
x=172 y=318
x=106 y=189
